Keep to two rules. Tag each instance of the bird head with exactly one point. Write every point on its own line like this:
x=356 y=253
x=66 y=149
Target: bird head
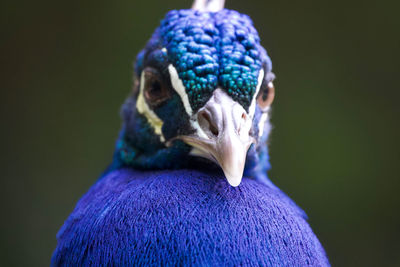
x=203 y=89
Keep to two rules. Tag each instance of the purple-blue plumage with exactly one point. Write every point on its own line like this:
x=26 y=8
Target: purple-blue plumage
x=200 y=103
x=185 y=217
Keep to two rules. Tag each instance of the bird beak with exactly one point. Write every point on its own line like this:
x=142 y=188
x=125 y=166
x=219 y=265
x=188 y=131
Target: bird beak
x=222 y=135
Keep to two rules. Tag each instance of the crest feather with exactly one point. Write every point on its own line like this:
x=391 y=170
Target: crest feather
x=208 y=5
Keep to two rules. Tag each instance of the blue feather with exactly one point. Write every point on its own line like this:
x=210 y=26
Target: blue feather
x=156 y=204
x=185 y=218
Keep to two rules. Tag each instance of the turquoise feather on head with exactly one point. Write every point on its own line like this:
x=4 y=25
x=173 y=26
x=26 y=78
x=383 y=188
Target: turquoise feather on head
x=211 y=49
x=202 y=93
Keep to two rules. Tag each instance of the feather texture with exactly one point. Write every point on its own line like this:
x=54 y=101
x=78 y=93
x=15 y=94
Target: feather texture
x=185 y=218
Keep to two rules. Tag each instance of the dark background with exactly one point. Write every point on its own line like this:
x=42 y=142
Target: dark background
x=66 y=67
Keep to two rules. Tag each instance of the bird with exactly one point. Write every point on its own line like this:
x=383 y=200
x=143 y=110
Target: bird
x=188 y=183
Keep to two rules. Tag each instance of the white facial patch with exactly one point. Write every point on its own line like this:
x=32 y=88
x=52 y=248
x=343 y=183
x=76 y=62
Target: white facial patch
x=180 y=89
x=178 y=86
x=144 y=109
x=261 y=123
x=252 y=108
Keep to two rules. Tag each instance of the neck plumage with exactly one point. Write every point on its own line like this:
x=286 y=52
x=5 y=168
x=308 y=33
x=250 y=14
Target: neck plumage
x=176 y=156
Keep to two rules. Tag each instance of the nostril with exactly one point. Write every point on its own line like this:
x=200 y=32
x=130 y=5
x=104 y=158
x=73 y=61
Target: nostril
x=211 y=125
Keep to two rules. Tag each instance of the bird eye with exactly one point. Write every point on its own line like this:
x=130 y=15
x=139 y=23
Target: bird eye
x=155 y=90
x=266 y=95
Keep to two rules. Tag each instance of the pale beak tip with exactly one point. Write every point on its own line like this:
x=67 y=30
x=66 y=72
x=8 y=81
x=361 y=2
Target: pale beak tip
x=234 y=181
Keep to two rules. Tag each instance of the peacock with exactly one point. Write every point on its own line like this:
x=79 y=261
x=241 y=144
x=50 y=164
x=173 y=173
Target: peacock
x=188 y=182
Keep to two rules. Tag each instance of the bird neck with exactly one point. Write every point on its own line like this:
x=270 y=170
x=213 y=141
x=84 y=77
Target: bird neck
x=177 y=157
x=126 y=154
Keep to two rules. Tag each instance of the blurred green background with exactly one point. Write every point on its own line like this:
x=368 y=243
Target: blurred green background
x=66 y=67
